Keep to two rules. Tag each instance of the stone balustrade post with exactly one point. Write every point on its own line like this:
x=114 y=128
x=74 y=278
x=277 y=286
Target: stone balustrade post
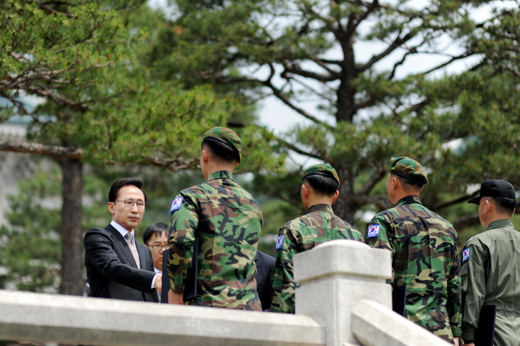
x=334 y=277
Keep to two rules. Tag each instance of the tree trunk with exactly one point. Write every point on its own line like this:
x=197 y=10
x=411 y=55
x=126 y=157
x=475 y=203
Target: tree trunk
x=344 y=207
x=71 y=230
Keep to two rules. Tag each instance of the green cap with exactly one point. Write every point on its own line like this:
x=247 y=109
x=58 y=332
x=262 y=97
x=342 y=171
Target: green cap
x=408 y=168
x=226 y=136
x=321 y=169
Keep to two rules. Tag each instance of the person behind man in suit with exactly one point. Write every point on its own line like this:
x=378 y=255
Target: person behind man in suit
x=117 y=266
x=155 y=237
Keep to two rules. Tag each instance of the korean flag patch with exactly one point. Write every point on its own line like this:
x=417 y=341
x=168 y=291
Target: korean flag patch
x=465 y=255
x=279 y=242
x=373 y=231
x=176 y=204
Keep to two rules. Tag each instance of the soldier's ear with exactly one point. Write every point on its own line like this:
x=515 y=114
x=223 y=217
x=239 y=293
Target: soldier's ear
x=204 y=155
x=487 y=205
x=336 y=195
x=305 y=191
x=395 y=182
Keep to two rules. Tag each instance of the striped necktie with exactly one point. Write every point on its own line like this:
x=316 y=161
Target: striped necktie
x=131 y=244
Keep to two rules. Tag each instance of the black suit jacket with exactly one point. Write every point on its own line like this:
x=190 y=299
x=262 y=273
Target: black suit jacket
x=264 y=275
x=111 y=268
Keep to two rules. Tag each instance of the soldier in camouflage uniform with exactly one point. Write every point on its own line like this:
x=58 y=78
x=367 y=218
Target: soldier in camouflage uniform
x=424 y=251
x=227 y=221
x=319 y=190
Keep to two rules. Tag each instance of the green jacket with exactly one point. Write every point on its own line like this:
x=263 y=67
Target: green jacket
x=301 y=234
x=228 y=221
x=491 y=275
x=425 y=259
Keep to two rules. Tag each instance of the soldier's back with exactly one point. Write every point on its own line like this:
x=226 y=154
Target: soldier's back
x=229 y=229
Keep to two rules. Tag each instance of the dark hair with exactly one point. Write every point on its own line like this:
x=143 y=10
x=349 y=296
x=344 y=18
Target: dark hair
x=505 y=204
x=155 y=228
x=409 y=183
x=322 y=184
x=225 y=152
x=118 y=184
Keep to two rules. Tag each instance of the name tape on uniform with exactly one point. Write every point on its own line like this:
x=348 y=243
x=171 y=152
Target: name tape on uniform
x=465 y=255
x=373 y=231
x=176 y=204
x=279 y=242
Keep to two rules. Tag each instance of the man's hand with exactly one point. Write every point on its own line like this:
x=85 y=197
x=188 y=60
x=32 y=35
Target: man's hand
x=158 y=283
x=456 y=341
x=174 y=298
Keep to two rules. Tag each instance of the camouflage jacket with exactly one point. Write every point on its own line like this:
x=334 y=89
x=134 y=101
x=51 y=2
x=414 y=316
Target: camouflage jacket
x=301 y=234
x=228 y=221
x=425 y=259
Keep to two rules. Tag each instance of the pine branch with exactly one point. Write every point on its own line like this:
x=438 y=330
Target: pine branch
x=174 y=165
x=297 y=70
x=41 y=149
x=466 y=221
x=279 y=94
x=398 y=42
x=462 y=56
x=455 y=201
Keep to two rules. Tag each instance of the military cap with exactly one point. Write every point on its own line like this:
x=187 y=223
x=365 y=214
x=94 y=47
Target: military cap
x=408 y=168
x=228 y=137
x=321 y=169
x=496 y=188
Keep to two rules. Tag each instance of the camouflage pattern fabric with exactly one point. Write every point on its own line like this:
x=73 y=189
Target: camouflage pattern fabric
x=228 y=137
x=425 y=259
x=228 y=221
x=301 y=234
x=408 y=168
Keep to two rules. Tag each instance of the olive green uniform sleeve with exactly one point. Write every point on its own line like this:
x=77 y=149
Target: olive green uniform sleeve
x=473 y=279
x=283 y=281
x=183 y=224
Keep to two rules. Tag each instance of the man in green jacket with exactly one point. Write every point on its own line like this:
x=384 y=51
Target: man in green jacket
x=491 y=266
x=318 y=191
x=424 y=251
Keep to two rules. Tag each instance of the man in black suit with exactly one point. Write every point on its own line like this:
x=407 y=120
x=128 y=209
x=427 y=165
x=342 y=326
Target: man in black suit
x=117 y=265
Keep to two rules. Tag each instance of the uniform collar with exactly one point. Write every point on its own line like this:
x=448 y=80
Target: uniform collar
x=500 y=224
x=320 y=207
x=221 y=175
x=409 y=200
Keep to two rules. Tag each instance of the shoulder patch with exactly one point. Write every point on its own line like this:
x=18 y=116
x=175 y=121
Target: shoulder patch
x=176 y=204
x=373 y=231
x=465 y=255
x=279 y=242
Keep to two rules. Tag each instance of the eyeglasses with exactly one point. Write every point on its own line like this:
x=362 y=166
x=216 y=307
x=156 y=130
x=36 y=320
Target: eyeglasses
x=159 y=247
x=129 y=203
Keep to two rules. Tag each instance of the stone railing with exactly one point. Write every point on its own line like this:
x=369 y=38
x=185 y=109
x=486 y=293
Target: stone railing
x=343 y=300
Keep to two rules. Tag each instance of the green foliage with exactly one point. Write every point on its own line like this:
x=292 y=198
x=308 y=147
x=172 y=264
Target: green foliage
x=30 y=247
x=460 y=126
